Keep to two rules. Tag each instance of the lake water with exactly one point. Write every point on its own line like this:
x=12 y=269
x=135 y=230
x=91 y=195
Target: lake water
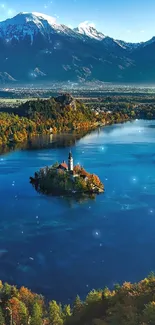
x=61 y=248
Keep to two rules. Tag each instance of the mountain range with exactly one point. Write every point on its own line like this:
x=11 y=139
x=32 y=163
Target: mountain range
x=35 y=47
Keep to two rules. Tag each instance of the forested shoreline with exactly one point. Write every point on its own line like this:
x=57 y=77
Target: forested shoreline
x=56 y=115
x=129 y=304
x=66 y=114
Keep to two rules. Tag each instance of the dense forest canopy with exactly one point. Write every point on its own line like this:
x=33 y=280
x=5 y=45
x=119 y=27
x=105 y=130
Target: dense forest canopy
x=38 y=117
x=129 y=304
x=65 y=114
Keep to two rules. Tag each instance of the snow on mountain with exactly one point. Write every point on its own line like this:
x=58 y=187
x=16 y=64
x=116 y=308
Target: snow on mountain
x=127 y=45
x=111 y=42
x=134 y=46
x=33 y=46
x=88 y=29
x=6 y=78
x=30 y=24
x=51 y=20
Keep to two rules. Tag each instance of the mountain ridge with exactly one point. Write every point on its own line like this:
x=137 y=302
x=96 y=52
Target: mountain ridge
x=31 y=41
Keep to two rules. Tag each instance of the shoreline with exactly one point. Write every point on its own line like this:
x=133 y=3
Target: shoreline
x=90 y=212
x=62 y=179
x=26 y=144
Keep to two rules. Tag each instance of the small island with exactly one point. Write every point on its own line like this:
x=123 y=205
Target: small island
x=61 y=179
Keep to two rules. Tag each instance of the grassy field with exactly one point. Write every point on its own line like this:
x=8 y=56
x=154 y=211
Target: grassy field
x=14 y=101
x=7 y=104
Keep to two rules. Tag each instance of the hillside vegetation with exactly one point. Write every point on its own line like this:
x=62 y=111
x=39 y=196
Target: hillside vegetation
x=60 y=114
x=129 y=304
x=52 y=180
x=56 y=115
x=65 y=114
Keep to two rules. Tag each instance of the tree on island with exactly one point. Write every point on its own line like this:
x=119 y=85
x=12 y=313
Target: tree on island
x=61 y=179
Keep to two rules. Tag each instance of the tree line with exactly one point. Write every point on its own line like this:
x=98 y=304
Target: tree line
x=52 y=115
x=129 y=304
x=44 y=116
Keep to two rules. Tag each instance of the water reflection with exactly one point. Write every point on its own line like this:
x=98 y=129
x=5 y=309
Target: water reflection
x=49 y=243
x=70 y=200
x=45 y=142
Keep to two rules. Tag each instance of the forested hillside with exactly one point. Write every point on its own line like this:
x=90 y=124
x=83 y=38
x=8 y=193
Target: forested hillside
x=129 y=304
x=56 y=115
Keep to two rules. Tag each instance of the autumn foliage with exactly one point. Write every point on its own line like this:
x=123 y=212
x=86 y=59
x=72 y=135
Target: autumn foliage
x=56 y=181
x=40 y=116
x=129 y=304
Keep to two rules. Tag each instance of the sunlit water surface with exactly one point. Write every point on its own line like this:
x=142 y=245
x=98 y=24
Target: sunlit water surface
x=59 y=247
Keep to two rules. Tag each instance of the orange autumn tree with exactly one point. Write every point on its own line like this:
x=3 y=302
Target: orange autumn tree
x=77 y=169
x=18 y=311
x=95 y=180
x=26 y=296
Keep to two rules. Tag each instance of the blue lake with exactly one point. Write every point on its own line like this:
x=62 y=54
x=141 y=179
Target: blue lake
x=60 y=247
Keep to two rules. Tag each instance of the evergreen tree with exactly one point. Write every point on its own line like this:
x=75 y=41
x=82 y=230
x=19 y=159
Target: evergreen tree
x=93 y=296
x=66 y=312
x=6 y=292
x=55 y=314
x=77 y=306
x=36 y=318
x=23 y=313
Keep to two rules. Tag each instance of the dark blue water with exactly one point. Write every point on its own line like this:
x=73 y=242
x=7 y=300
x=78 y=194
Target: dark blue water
x=60 y=248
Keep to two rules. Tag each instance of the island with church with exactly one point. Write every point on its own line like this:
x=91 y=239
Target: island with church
x=63 y=178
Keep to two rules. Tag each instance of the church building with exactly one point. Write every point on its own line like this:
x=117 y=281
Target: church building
x=70 y=162
x=70 y=166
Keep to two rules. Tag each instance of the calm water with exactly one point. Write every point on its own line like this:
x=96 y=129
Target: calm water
x=60 y=248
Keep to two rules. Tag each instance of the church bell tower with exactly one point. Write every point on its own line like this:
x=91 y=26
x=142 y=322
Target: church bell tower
x=70 y=162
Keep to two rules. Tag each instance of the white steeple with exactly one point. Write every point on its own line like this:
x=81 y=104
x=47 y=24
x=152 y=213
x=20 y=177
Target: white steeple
x=70 y=162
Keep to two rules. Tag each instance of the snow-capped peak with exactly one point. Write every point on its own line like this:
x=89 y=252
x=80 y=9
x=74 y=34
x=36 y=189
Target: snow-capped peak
x=25 y=18
x=30 y=24
x=89 y=30
x=51 y=20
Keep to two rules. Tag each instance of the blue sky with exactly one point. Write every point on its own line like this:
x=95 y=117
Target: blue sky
x=131 y=20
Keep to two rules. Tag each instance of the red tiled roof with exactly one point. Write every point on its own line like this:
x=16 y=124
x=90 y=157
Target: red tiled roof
x=63 y=165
